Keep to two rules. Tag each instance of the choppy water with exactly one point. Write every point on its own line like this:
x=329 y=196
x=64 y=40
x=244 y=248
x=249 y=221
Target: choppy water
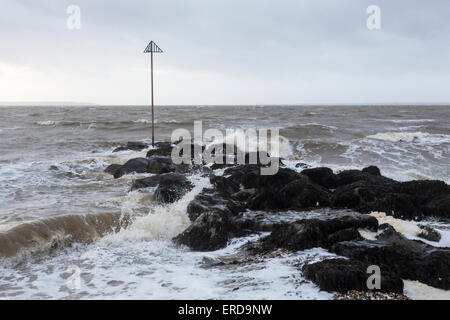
x=51 y=167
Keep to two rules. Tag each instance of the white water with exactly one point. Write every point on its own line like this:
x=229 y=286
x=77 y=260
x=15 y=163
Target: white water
x=141 y=262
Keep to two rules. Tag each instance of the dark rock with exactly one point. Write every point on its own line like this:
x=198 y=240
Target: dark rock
x=245 y=175
x=162 y=149
x=409 y=259
x=439 y=206
x=138 y=165
x=160 y=164
x=424 y=190
x=297 y=194
x=210 y=231
x=249 y=176
x=347 y=177
x=365 y=197
x=224 y=186
x=131 y=145
x=372 y=170
x=344 y=235
x=171 y=187
x=302 y=165
x=344 y=275
x=210 y=200
x=112 y=168
x=323 y=177
x=430 y=234
x=244 y=194
x=316 y=232
x=147 y=182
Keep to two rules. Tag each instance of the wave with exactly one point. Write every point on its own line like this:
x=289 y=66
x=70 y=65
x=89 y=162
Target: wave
x=47 y=234
x=411 y=137
x=310 y=125
x=47 y=123
x=119 y=123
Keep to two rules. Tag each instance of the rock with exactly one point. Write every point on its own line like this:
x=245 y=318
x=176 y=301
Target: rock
x=112 y=168
x=301 y=165
x=365 y=197
x=171 y=187
x=160 y=164
x=344 y=275
x=138 y=165
x=297 y=194
x=347 y=177
x=224 y=186
x=372 y=170
x=316 y=232
x=210 y=200
x=244 y=194
x=424 y=190
x=430 y=234
x=147 y=182
x=344 y=235
x=131 y=145
x=439 y=206
x=245 y=175
x=210 y=231
x=323 y=177
x=408 y=259
x=162 y=149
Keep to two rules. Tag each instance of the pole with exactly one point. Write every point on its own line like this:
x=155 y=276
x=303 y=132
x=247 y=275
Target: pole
x=153 y=114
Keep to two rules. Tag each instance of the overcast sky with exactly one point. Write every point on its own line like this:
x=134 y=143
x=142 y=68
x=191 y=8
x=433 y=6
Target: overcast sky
x=226 y=52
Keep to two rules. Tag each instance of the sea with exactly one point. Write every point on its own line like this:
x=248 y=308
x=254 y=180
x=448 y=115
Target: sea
x=62 y=229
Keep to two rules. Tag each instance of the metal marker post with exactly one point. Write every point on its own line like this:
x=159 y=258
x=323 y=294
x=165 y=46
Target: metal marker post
x=152 y=47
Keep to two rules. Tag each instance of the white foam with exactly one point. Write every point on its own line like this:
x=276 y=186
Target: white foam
x=420 y=291
x=412 y=137
x=280 y=147
x=407 y=228
x=162 y=222
x=47 y=123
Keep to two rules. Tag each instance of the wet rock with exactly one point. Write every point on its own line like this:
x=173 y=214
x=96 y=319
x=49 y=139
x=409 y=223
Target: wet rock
x=408 y=259
x=160 y=164
x=171 y=187
x=245 y=175
x=373 y=170
x=148 y=182
x=439 y=206
x=323 y=177
x=161 y=149
x=210 y=231
x=316 y=232
x=138 y=165
x=302 y=165
x=347 y=177
x=365 y=197
x=344 y=275
x=244 y=194
x=224 y=186
x=424 y=190
x=344 y=235
x=210 y=200
x=430 y=234
x=297 y=194
x=131 y=145
x=112 y=168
